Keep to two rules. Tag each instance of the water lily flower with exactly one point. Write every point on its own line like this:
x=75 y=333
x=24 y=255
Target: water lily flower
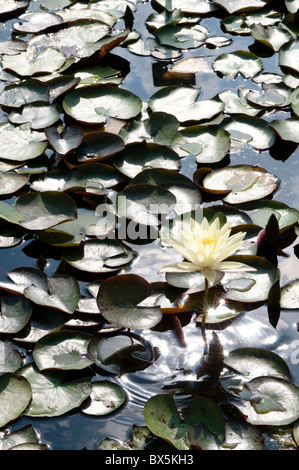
x=205 y=246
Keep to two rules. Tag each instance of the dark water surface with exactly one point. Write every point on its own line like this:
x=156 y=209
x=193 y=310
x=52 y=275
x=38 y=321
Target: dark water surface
x=76 y=430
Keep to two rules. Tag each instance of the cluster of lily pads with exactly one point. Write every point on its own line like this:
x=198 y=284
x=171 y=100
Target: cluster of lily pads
x=75 y=144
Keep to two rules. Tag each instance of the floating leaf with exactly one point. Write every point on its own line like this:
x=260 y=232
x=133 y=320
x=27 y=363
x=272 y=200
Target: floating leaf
x=15 y=396
x=95 y=103
x=28 y=91
x=257 y=362
x=270 y=36
x=188 y=6
x=20 y=144
x=105 y=398
x=63 y=293
x=290 y=295
x=287 y=129
x=9 y=6
x=238 y=103
x=250 y=129
x=208 y=144
x=65 y=350
x=182 y=37
x=182 y=103
x=66 y=141
x=52 y=394
x=43 y=210
x=37 y=21
x=234 y=6
x=97 y=146
x=138 y=156
x=121 y=353
x=11 y=182
x=30 y=62
x=59 y=180
x=11 y=359
x=118 y=300
x=15 y=313
x=244 y=62
x=38 y=115
x=245 y=182
x=15 y=438
x=99 y=256
x=288 y=55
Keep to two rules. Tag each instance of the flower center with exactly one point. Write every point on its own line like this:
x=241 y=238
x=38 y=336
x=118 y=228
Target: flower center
x=207 y=241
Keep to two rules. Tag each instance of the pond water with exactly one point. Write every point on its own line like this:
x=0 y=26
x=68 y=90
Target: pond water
x=177 y=363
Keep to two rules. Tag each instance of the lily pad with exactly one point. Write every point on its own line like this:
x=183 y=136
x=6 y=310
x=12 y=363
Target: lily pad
x=274 y=401
x=46 y=209
x=253 y=286
x=139 y=156
x=270 y=36
x=64 y=142
x=52 y=395
x=37 y=115
x=287 y=129
x=252 y=130
x=20 y=144
x=98 y=256
x=63 y=293
x=208 y=144
x=288 y=55
x=233 y=6
x=245 y=183
x=295 y=101
x=182 y=37
x=238 y=103
x=290 y=295
x=257 y=362
x=21 y=436
x=59 y=180
x=65 y=350
x=121 y=353
x=97 y=146
x=28 y=91
x=11 y=182
x=244 y=62
x=95 y=103
x=15 y=313
x=118 y=300
x=36 y=22
x=14 y=397
x=105 y=398
x=30 y=62
x=193 y=6
x=182 y=103
x=10 y=358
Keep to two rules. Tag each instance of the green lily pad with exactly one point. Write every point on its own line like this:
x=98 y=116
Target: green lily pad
x=64 y=142
x=121 y=353
x=251 y=286
x=105 y=398
x=119 y=298
x=43 y=210
x=21 y=436
x=62 y=293
x=287 y=129
x=65 y=350
x=257 y=362
x=11 y=359
x=15 y=313
x=95 y=103
x=30 y=62
x=245 y=183
x=244 y=62
x=238 y=103
x=11 y=182
x=43 y=321
x=100 y=175
x=270 y=36
x=97 y=146
x=188 y=6
x=182 y=103
x=288 y=55
x=292 y=5
x=260 y=212
x=252 y=130
x=28 y=91
x=52 y=394
x=274 y=401
x=15 y=396
x=73 y=38
x=271 y=98
x=37 y=115
x=290 y=295
x=208 y=144
x=20 y=143
x=144 y=204
x=99 y=256
x=182 y=37
x=36 y=22
x=138 y=156
x=85 y=12
x=59 y=180
x=233 y=6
